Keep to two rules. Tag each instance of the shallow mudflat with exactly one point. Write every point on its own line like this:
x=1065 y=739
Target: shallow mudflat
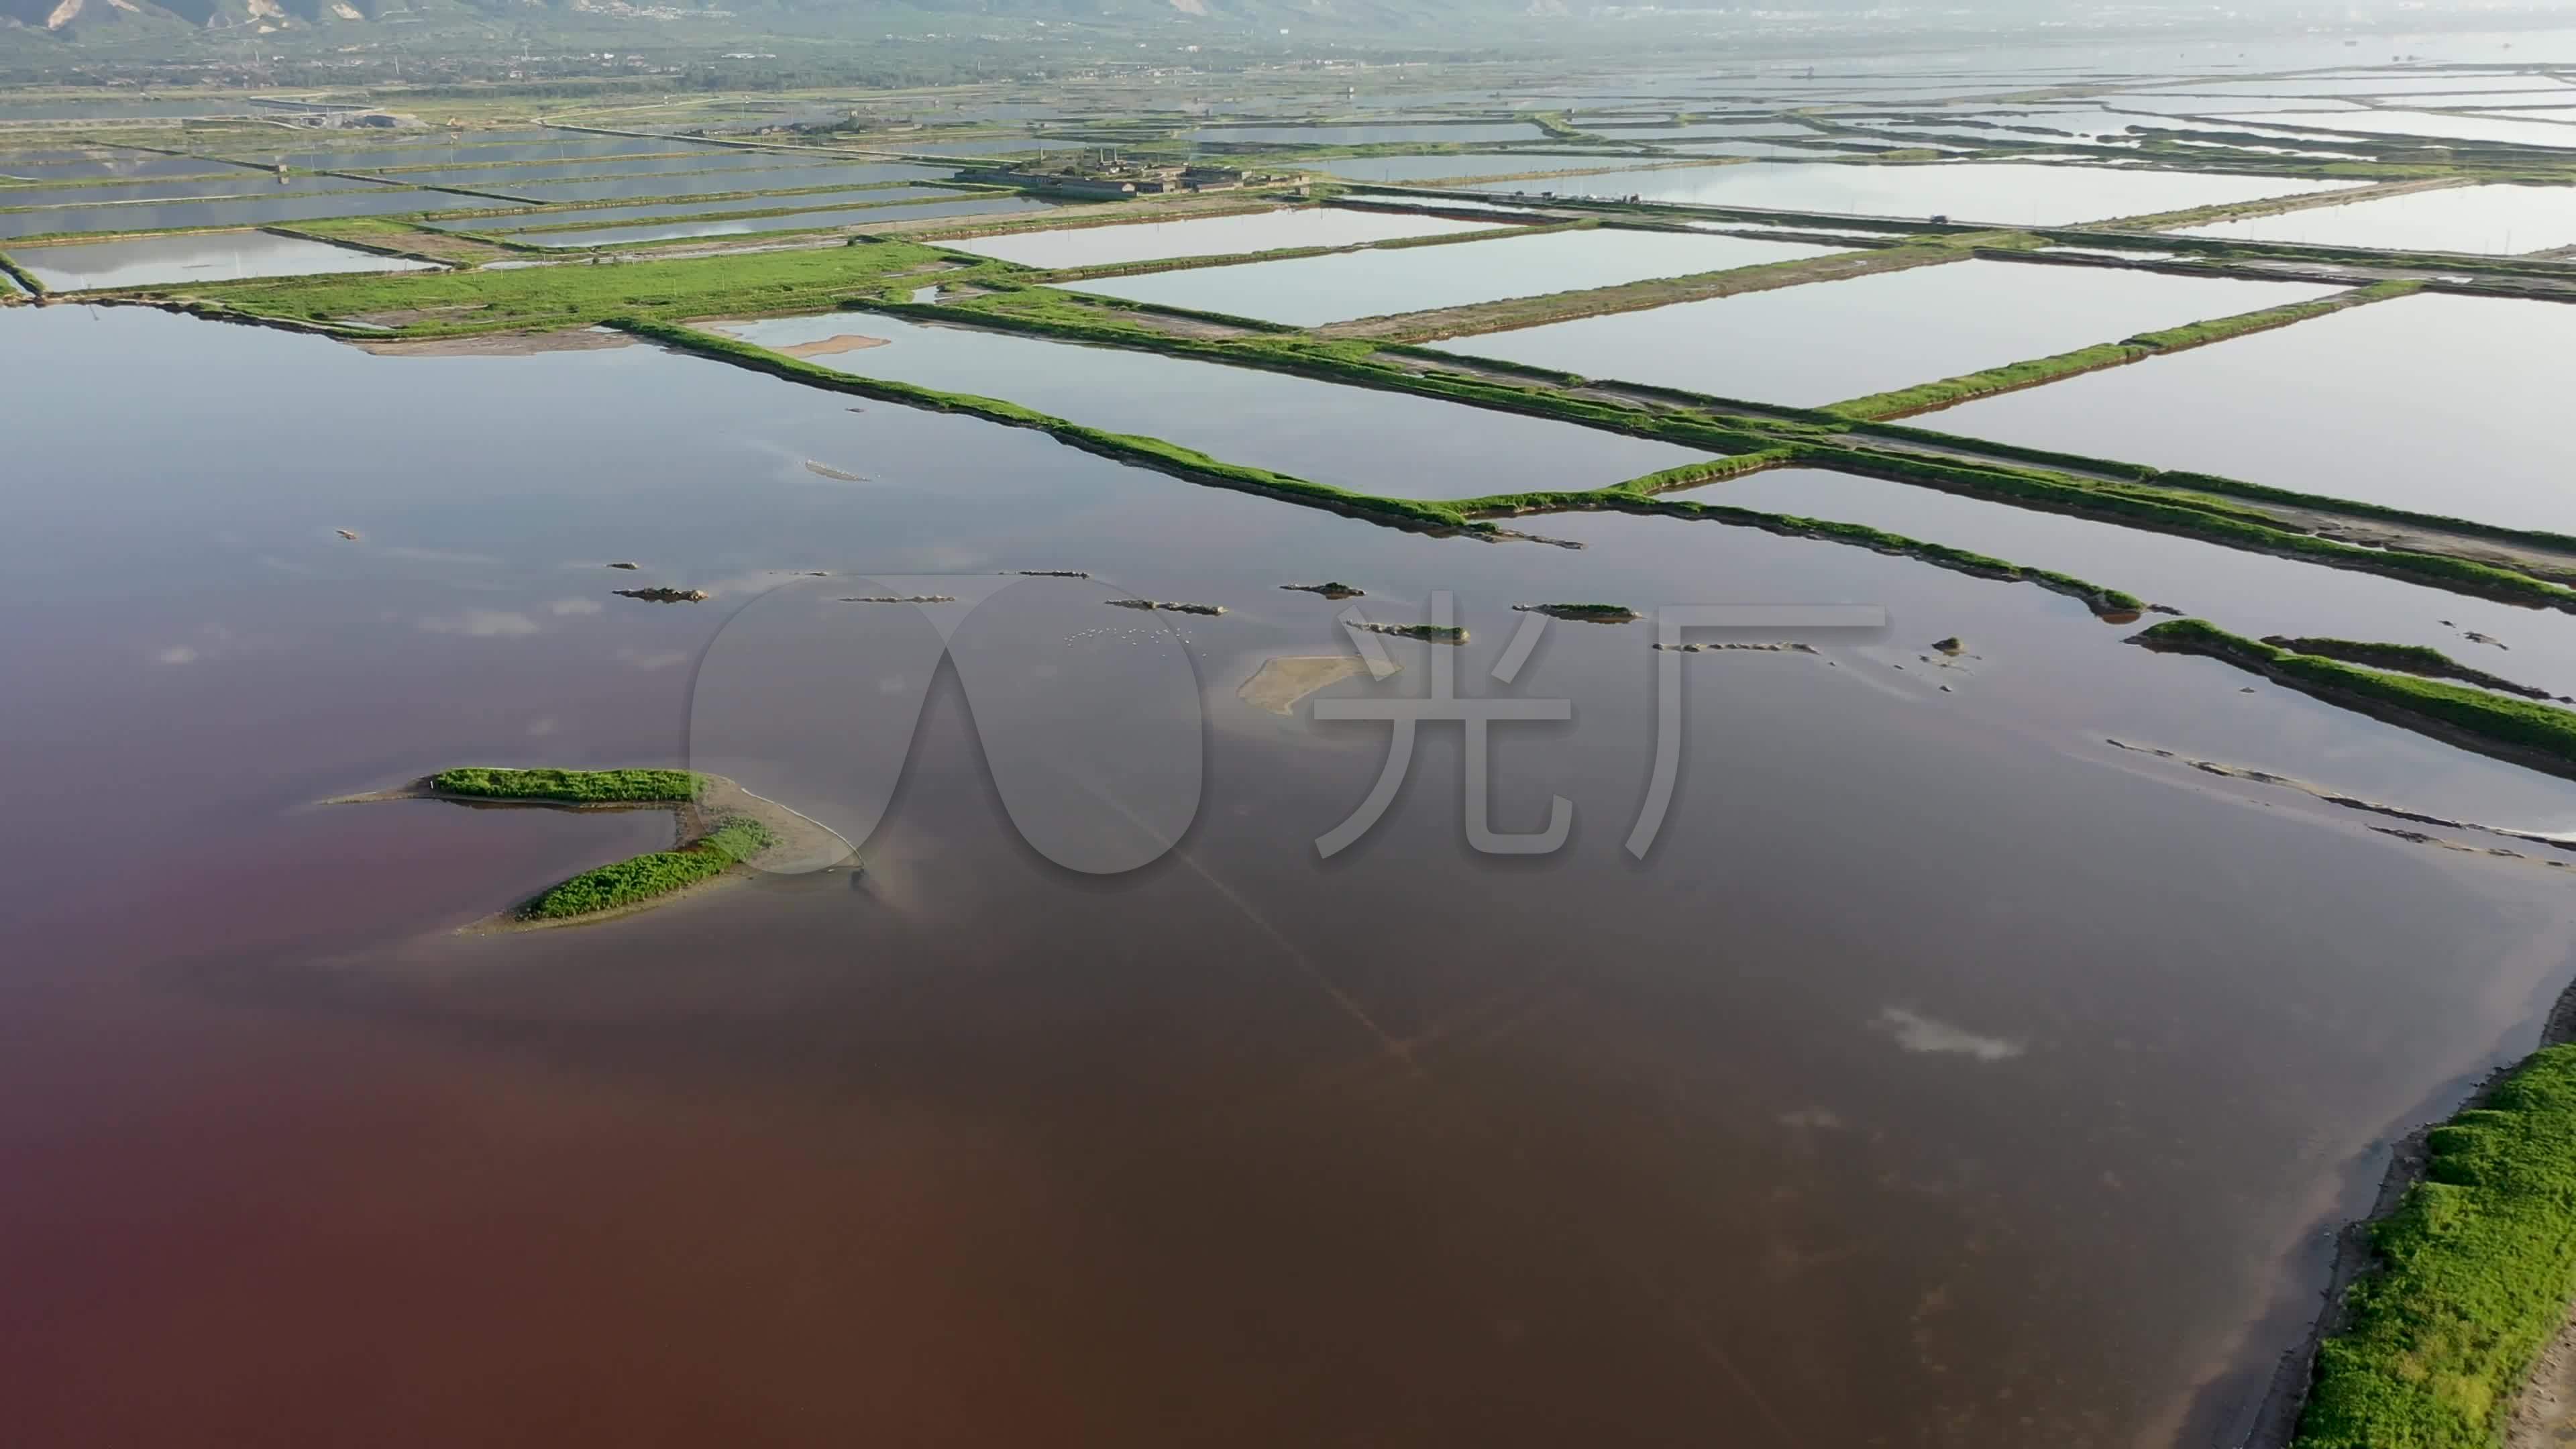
x=208 y=257
x=1367 y=441
x=2007 y=193
x=1829 y=341
x=2491 y=219
x=1318 y=226
x=2426 y=402
x=1311 y=291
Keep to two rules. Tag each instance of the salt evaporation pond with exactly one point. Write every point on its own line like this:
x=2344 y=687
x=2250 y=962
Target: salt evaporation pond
x=1369 y=135
x=1827 y=342
x=2425 y=402
x=1398 y=169
x=684 y=206
x=240 y=182
x=2488 y=219
x=201 y=257
x=1357 y=438
x=773 y=179
x=2019 y=193
x=257 y=211
x=790 y=221
x=1310 y=291
x=1318 y=226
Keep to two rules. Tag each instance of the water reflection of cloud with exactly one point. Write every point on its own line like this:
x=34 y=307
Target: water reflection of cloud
x=561 y=608
x=482 y=624
x=1919 y=1033
x=653 y=658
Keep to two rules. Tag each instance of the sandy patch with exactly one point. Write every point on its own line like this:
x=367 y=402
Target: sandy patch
x=1283 y=680
x=834 y=346
x=505 y=344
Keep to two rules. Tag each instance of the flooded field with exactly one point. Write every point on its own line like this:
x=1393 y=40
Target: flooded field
x=2255 y=593
x=2492 y=219
x=607 y=168
x=791 y=221
x=1318 y=226
x=2442 y=125
x=2425 y=402
x=1999 y=191
x=1575 y=1140
x=259 y=211
x=479 y=152
x=1378 y=442
x=1826 y=342
x=688 y=206
x=240 y=181
x=102 y=165
x=1308 y=291
x=1460 y=133
x=206 y=257
x=1396 y=170
x=781 y=178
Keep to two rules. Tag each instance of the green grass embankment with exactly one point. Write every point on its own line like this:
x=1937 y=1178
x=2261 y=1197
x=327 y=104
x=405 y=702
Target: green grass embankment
x=2523 y=731
x=574 y=294
x=2406 y=659
x=25 y=279
x=2144 y=506
x=1153 y=453
x=2476 y=1269
x=571 y=787
x=1283 y=350
x=1637 y=495
x=1065 y=275
x=643 y=877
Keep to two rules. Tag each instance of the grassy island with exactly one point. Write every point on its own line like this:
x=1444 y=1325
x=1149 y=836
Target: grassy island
x=642 y=877
x=2477 y=1266
x=572 y=787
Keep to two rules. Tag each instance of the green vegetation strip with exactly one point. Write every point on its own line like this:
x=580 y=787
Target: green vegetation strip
x=642 y=877
x=2210 y=520
x=572 y=787
x=2406 y=659
x=21 y=275
x=574 y=294
x=2477 y=1266
x=1954 y=390
x=1636 y=496
x=2524 y=731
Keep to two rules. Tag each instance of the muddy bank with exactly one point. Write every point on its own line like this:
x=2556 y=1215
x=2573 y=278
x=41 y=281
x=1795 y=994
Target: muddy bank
x=1282 y=681
x=2544 y=1414
x=505 y=344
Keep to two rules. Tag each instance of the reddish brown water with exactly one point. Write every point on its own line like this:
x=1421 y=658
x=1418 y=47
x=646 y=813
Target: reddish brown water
x=1943 y=1078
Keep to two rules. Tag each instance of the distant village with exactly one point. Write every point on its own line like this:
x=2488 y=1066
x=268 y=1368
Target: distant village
x=1100 y=174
